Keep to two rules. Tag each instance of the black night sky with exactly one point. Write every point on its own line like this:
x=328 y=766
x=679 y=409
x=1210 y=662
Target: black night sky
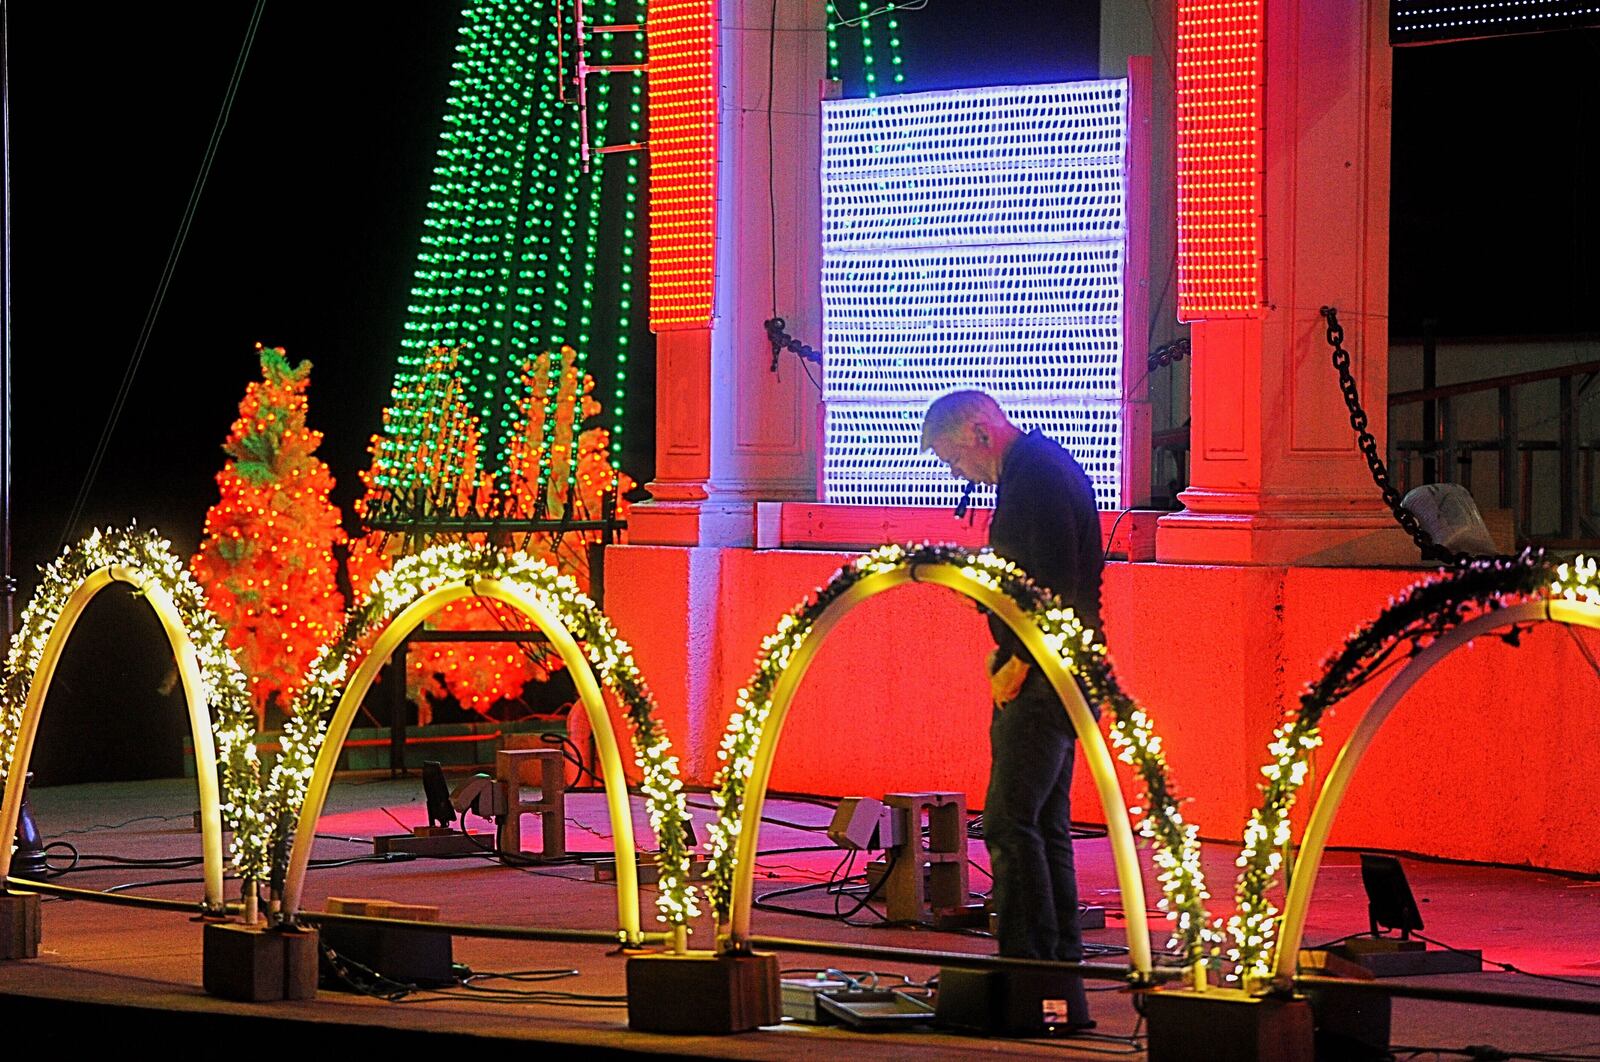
x=308 y=226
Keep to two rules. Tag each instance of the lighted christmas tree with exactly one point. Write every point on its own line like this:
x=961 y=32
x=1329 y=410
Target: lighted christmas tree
x=558 y=469
x=266 y=561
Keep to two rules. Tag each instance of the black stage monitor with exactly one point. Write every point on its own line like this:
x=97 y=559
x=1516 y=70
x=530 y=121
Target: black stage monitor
x=1390 y=904
x=441 y=812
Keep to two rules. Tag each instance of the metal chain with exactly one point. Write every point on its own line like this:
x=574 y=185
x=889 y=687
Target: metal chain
x=782 y=341
x=1163 y=356
x=1431 y=550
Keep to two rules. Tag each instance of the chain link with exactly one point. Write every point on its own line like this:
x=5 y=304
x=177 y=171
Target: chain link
x=1168 y=354
x=782 y=341
x=1431 y=550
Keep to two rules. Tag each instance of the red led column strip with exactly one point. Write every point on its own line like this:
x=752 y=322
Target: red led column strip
x=1220 y=89
x=683 y=161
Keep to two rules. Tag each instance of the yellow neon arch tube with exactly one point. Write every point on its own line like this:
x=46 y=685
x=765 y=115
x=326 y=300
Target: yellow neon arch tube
x=583 y=677
x=1297 y=902
x=1096 y=751
x=205 y=756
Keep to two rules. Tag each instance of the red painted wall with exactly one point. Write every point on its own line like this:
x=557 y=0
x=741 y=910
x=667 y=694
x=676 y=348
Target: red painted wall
x=897 y=699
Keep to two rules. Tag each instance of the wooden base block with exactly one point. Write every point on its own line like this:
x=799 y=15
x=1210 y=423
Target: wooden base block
x=253 y=964
x=301 y=963
x=408 y=912
x=1235 y=1026
x=427 y=841
x=19 y=925
x=703 y=992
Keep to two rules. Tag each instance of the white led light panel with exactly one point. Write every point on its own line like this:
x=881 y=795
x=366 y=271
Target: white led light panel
x=974 y=238
x=872 y=455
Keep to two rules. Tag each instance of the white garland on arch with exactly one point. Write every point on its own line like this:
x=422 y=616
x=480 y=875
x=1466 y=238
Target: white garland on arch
x=1175 y=845
x=225 y=688
x=413 y=577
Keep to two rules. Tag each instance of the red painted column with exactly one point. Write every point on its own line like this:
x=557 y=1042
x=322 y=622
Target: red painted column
x=735 y=238
x=1283 y=146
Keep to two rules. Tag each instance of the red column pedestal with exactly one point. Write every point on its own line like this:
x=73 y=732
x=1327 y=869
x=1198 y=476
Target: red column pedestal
x=1275 y=474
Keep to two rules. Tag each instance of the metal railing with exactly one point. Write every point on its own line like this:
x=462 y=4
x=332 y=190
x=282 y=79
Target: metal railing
x=1443 y=455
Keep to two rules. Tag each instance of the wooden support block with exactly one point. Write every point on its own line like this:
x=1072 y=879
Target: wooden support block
x=302 y=958
x=1238 y=1027
x=432 y=843
x=703 y=992
x=410 y=912
x=19 y=925
x=242 y=963
x=930 y=871
x=510 y=766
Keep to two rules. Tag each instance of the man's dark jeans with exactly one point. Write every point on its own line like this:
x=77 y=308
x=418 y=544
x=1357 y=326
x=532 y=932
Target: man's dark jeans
x=1027 y=828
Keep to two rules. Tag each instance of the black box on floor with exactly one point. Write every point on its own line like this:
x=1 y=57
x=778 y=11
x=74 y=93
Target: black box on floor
x=703 y=993
x=1226 y=1025
x=1001 y=1002
x=420 y=957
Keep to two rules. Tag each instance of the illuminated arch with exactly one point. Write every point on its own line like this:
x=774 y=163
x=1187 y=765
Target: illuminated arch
x=1297 y=903
x=209 y=675
x=1063 y=648
x=1428 y=621
x=402 y=600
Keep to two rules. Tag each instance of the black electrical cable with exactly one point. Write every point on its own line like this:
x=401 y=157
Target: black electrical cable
x=164 y=283
x=316 y=864
x=99 y=826
x=1593 y=986
x=837 y=886
x=808 y=827
x=53 y=871
x=369 y=982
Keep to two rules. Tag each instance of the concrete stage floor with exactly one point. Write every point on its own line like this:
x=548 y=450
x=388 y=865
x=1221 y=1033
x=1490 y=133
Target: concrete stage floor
x=147 y=963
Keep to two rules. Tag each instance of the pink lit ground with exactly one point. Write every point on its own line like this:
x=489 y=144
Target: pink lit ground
x=1540 y=922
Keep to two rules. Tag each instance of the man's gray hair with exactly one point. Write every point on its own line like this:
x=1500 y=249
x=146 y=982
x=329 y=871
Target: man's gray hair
x=956 y=408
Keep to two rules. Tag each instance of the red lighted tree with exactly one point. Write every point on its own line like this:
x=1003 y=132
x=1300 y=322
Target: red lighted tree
x=266 y=561
x=542 y=452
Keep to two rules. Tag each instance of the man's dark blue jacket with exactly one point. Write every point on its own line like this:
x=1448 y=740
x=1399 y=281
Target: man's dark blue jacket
x=1045 y=521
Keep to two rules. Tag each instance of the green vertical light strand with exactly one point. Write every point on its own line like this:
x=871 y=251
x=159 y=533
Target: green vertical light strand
x=832 y=20
x=518 y=301
x=563 y=144
x=584 y=269
x=502 y=150
x=540 y=231
x=445 y=241
x=512 y=108
x=870 y=73
x=895 y=65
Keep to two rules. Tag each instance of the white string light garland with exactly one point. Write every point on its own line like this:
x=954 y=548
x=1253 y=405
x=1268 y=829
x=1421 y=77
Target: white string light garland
x=225 y=688
x=412 y=578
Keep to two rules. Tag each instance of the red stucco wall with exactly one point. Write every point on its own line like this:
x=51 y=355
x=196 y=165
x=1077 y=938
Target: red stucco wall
x=897 y=701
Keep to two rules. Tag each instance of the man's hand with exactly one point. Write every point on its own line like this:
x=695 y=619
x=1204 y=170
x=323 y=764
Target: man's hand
x=1006 y=683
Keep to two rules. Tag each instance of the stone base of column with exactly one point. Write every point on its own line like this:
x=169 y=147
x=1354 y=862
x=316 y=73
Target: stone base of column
x=1297 y=535
x=693 y=523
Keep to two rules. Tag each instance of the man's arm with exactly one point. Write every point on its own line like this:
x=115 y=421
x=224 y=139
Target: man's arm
x=1044 y=544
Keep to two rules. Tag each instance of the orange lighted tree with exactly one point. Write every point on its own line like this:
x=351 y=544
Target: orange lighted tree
x=266 y=561
x=550 y=447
